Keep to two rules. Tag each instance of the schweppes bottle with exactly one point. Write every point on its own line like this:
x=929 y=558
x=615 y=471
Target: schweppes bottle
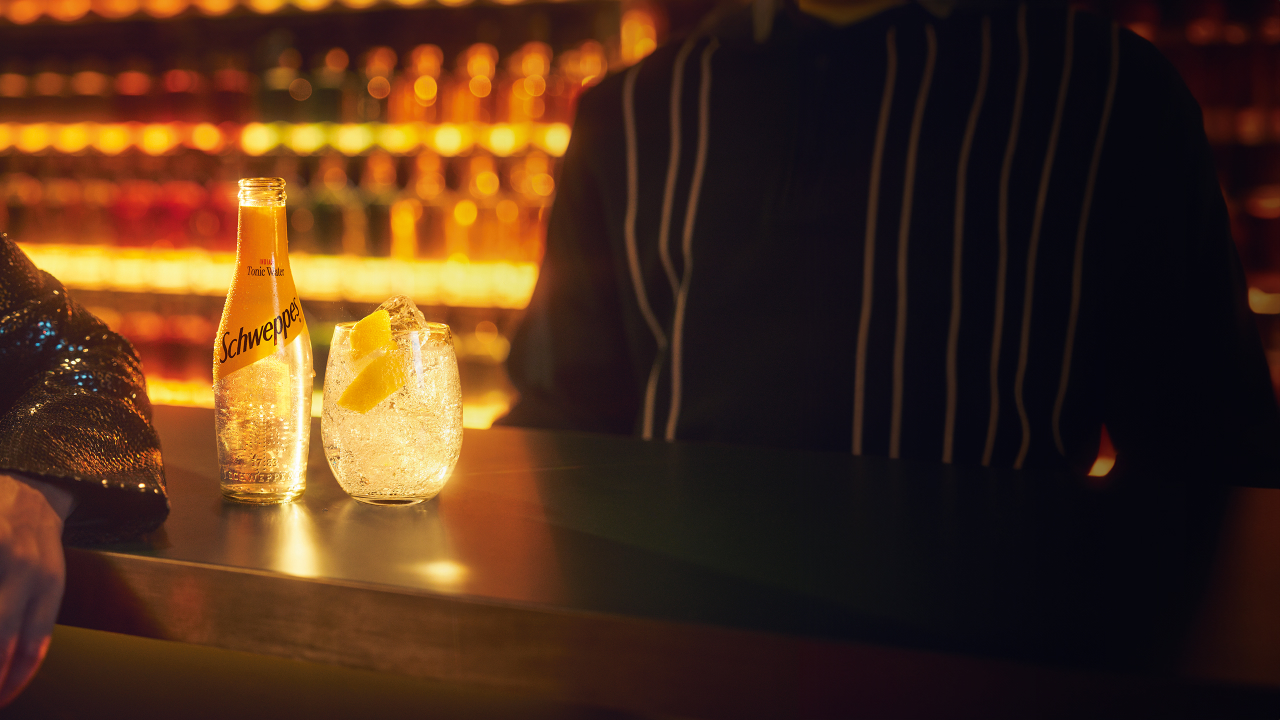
x=262 y=372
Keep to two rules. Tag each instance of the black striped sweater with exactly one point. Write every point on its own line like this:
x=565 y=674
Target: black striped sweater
x=970 y=239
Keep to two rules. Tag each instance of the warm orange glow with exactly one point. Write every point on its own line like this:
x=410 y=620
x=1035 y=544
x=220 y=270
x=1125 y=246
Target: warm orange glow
x=555 y=139
x=425 y=89
x=158 y=139
x=88 y=82
x=265 y=7
x=465 y=212
x=113 y=139
x=312 y=5
x=508 y=211
x=542 y=184
x=535 y=58
x=67 y=10
x=33 y=138
x=1102 y=466
x=379 y=87
x=72 y=138
x=257 y=138
x=48 y=83
x=22 y=12
x=177 y=80
x=352 y=139
x=448 y=140
x=206 y=137
x=502 y=140
x=335 y=178
x=480 y=86
x=535 y=85
x=306 y=139
x=164 y=8
x=487 y=183
x=1264 y=202
x=639 y=35
x=6 y=136
x=399 y=139
x=182 y=393
x=214 y=7
x=300 y=89
x=336 y=60
x=380 y=61
x=1263 y=302
x=13 y=85
x=115 y=8
x=482 y=60
x=404 y=228
x=427 y=60
x=132 y=82
x=454 y=283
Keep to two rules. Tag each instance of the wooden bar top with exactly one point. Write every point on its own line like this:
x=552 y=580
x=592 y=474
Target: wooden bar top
x=716 y=581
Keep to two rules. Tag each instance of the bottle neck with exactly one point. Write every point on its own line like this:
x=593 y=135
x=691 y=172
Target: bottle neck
x=262 y=236
x=262 y=192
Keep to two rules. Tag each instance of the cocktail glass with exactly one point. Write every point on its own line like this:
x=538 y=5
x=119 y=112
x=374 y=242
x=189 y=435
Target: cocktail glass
x=401 y=450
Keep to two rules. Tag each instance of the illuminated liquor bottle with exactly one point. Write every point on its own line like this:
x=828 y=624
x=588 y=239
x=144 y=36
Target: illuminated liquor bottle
x=262 y=369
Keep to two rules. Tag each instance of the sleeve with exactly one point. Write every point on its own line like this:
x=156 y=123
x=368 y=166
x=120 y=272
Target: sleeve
x=569 y=357
x=74 y=408
x=1188 y=390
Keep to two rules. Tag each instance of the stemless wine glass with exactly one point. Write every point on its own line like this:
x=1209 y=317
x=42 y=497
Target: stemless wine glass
x=402 y=450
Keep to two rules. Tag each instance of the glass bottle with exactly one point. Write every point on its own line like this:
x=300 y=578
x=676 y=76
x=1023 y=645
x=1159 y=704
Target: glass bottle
x=262 y=368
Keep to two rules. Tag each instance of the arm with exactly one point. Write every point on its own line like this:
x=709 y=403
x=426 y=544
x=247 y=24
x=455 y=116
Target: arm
x=1188 y=392
x=31 y=575
x=569 y=358
x=73 y=407
x=77 y=452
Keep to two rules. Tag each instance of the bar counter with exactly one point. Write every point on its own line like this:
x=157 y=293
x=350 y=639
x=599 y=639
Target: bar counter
x=645 y=578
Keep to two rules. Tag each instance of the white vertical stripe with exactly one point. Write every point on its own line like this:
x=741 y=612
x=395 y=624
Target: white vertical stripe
x=904 y=237
x=633 y=259
x=1033 y=246
x=682 y=299
x=957 y=254
x=869 y=252
x=1078 y=266
x=997 y=329
x=673 y=163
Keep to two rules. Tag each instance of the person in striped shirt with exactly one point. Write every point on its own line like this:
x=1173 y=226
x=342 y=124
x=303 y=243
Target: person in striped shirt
x=946 y=233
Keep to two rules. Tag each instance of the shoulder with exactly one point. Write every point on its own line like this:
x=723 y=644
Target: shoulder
x=18 y=275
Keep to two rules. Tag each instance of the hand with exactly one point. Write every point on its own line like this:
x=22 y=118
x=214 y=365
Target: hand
x=32 y=575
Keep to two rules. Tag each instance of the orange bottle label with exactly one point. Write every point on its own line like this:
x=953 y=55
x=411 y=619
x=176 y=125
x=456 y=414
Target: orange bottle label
x=262 y=314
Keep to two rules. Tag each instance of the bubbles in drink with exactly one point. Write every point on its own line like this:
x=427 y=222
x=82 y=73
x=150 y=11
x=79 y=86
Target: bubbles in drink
x=403 y=448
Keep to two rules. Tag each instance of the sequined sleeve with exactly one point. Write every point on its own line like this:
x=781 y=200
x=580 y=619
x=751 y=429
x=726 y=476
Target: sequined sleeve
x=73 y=406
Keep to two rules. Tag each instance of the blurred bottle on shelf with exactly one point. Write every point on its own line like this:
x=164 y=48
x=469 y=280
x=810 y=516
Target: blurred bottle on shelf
x=133 y=98
x=232 y=85
x=427 y=185
x=276 y=102
x=379 y=192
x=526 y=93
x=379 y=66
x=90 y=90
x=415 y=92
x=329 y=78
